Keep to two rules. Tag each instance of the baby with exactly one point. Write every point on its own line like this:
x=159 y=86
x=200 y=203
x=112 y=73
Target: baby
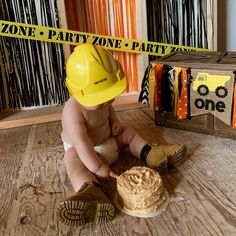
x=92 y=135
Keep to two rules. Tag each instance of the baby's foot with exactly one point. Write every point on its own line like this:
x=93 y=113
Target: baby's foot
x=162 y=156
x=89 y=204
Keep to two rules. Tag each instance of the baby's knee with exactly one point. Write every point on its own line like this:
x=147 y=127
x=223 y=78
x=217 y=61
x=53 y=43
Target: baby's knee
x=130 y=131
x=70 y=155
x=128 y=134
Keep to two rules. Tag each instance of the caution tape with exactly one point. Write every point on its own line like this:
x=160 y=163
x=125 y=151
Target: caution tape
x=55 y=35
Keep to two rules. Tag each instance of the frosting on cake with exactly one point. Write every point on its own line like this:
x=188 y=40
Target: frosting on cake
x=140 y=190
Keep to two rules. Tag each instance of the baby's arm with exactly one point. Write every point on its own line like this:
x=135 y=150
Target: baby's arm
x=116 y=127
x=77 y=131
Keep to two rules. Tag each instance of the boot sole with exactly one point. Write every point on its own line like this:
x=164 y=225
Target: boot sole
x=163 y=166
x=177 y=158
x=78 y=213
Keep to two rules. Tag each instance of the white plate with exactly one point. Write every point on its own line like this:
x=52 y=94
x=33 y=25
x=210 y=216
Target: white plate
x=162 y=208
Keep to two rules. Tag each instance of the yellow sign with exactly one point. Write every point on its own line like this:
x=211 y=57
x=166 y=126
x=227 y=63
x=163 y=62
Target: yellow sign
x=55 y=35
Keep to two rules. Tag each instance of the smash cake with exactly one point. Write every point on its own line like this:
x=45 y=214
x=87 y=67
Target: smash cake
x=140 y=192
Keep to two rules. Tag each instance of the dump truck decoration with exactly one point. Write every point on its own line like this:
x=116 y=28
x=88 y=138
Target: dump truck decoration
x=206 y=82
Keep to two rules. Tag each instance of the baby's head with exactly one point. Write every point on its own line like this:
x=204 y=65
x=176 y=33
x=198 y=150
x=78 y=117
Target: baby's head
x=94 y=77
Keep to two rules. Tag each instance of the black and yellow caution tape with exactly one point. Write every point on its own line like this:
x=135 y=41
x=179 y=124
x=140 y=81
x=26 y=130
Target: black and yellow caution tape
x=55 y=35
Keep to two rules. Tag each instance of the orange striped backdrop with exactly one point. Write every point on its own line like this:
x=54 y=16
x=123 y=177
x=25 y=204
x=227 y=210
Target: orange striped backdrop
x=108 y=17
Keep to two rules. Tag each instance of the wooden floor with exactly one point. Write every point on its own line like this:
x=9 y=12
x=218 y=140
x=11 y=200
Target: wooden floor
x=33 y=181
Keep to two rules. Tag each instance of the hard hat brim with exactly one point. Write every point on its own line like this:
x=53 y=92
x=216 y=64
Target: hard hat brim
x=104 y=96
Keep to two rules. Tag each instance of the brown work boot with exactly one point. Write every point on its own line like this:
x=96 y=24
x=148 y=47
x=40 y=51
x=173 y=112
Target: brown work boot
x=162 y=156
x=176 y=154
x=89 y=204
x=157 y=159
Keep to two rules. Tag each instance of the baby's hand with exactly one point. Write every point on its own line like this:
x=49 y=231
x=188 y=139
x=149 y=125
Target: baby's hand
x=104 y=172
x=116 y=129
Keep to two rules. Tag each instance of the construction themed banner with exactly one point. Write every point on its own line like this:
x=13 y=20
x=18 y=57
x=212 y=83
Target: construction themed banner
x=190 y=92
x=212 y=92
x=55 y=35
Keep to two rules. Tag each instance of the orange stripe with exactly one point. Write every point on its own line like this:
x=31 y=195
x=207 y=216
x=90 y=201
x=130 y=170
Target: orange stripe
x=91 y=13
x=109 y=19
x=75 y=12
x=80 y=14
x=183 y=101
x=129 y=64
x=131 y=33
x=157 y=86
x=115 y=17
x=97 y=13
x=119 y=32
x=96 y=20
x=133 y=36
x=85 y=16
x=104 y=22
x=70 y=17
x=133 y=20
x=122 y=34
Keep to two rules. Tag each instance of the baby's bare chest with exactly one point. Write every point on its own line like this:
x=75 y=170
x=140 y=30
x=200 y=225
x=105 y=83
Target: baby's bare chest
x=96 y=119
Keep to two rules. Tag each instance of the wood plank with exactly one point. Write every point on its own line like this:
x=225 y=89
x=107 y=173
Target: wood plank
x=200 y=60
x=201 y=124
x=17 y=118
x=12 y=149
x=11 y=119
x=202 y=195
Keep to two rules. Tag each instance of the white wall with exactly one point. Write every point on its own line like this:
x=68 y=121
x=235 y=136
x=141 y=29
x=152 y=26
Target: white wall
x=226 y=22
x=231 y=25
x=141 y=19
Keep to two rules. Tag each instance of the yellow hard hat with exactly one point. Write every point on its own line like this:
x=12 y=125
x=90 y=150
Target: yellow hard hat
x=93 y=75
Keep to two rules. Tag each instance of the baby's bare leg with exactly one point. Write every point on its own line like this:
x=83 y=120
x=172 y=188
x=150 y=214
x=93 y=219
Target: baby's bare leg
x=156 y=156
x=131 y=138
x=89 y=203
x=76 y=170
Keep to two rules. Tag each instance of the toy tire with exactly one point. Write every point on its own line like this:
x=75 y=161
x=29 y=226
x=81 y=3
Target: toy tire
x=219 y=89
x=202 y=90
